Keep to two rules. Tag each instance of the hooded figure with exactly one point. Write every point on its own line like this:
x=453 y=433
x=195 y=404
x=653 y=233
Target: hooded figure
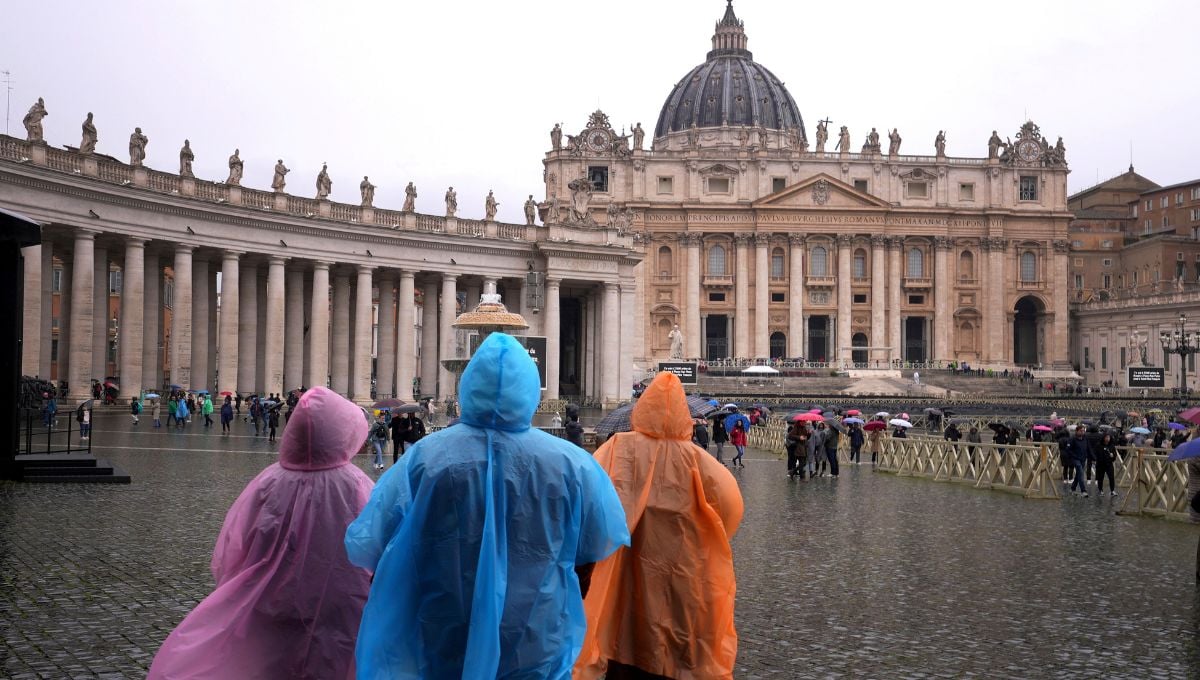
x=665 y=604
x=287 y=602
x=474 y=538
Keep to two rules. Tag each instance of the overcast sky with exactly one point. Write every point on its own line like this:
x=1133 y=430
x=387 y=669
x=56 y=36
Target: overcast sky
x=465 y=93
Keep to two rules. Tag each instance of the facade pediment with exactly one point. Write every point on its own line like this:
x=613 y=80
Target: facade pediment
x=718 y=170
x=821 y=191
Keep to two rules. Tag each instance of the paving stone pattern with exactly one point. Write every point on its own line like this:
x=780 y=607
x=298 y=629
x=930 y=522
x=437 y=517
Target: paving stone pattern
x=869 y=575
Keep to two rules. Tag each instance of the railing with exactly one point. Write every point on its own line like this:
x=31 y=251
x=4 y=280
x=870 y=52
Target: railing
x=918 y=282
x=820 y=281
x=431 y=223
x=57 y=159
x=344 y=213
x=515 y=232
x=1028 y=285
x=470 y=227
x=301 y=206
x=1154 y=486
x=161 y=181
x=253 y=198
x=389 y=218
x=118 y=173
x=666 y=279
x=722 y=281
x=13 y=149
x=211 y=191
x=62 y=435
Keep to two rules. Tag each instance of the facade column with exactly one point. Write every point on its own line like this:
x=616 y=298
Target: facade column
x=46 y=358
x=429 y=338
x=363 y=322
x=273 y=357
x=181 y=320
x=741 y=298
x=692 y=329
x=611 y=344
x=796 y=296
x=260 y=359
x=895 y=281
x=247 y=380
x=227 y=341
x=293 y=321
x=762 y=295
x=553 y=338
x=65 y=310
x=201 y=372
x=31 y=320
x=318 y=327
x=625 y=359
x=995 y=312
x=844 y=316
x=152 y=328
x=406 y=357
x=100 y=317
x=132 y=328
x=1059 y=345
x=943 y=290
x=878 y=283
x=340 y=334
x=446 y=339
x=82 y=309
x=385 y=380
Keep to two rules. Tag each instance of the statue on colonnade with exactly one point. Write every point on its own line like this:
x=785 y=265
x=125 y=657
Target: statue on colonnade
x=368 y=192
x=489 y=207
x=530 y=210
x=451 y=202
x=88 y=144
x=410 y=198
x=235 y=169
x=137 y=147
x=324 y=184
x=278 y=182
x=33 y=121
x=185 y=159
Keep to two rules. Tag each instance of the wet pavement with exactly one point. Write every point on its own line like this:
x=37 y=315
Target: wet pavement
x=868 y=575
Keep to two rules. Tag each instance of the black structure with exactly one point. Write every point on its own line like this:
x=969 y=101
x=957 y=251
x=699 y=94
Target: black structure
x=729 y=88
x=1184 y=344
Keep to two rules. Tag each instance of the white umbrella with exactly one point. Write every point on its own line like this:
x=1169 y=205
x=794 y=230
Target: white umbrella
x=898 y=422
x=760 y=370
x=882 y=414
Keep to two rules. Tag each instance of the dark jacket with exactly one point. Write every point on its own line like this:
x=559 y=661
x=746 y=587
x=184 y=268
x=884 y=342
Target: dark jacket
x=952 y=434
x=416 y=430
x=831 y=439
x=700 y=435
x=574 y=432
x=1105 y=453
x=856 y=437
x=399 y=428
x=1079 y=448
x=719 y=435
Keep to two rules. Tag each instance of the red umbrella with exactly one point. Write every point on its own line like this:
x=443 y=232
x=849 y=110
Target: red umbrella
x=226 y=393
x=807 y=417
x=1192 y=415
x=875 y=425
x=854 y=412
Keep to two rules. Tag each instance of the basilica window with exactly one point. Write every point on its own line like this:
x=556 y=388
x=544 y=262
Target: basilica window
x=114 y=281
x=666 y=185
x=716 y=261
x=717 y=185
x=598 y=174
x=778 y=297
x=1028 y=267
x=819 y=266
x=778 y=184
x=56 y=282
x=1029 y=188
x=860 y=185
x=966 y=266
x=916 y=263
x=860 y=264
x=966 y=192
x=777 y=263
x=666 y=264
x=916 y=190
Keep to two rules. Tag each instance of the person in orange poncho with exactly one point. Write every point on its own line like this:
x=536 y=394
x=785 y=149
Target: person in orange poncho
x=663 y=607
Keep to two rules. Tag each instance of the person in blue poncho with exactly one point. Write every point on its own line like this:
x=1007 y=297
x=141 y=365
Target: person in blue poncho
x=479 y=536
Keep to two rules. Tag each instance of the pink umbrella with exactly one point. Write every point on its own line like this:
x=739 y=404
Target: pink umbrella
x=815 y=410
x=807 y=417
x=1042 y=428
x=854 y=412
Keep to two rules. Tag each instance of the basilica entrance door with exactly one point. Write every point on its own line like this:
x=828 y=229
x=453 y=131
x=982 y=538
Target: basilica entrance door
x=1025 y=331
x=716 y=337
x=818 y=338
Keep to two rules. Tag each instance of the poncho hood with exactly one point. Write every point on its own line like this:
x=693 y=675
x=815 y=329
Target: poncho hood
x=662 y=410
x=500 y=389
x=325 y=431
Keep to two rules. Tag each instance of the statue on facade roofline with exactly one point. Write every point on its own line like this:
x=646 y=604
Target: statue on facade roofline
x=88 y=144
x=137 y=147
x=324 y=184
x=939 y=143
x=185 y=159
x=235 y=169
x=843 y=143
x=581 y=197
x=33 y=121
x=894 y=142
x=822 y=136
x=489 y=207
x=451 y=202
x=994 y=145
x=556 y=137
x=410 y=198
x=278 y=182
x=693 y=136
x=530 y=210
x=639 y=135
x=368 y=192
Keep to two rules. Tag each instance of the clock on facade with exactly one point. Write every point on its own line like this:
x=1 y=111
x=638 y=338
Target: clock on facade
x=598 y=140
x=1028 y=150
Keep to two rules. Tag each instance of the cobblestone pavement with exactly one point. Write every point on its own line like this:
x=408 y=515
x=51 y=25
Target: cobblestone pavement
x=868 y=575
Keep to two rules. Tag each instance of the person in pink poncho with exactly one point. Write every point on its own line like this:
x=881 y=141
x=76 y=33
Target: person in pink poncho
x=287 y=602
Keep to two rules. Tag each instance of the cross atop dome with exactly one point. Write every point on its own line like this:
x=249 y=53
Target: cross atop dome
x=730 y=36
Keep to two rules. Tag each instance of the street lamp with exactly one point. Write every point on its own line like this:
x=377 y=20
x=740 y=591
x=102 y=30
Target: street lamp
x=1184 y=344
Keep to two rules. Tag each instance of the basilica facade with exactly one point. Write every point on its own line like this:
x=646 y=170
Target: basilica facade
x=761 y=242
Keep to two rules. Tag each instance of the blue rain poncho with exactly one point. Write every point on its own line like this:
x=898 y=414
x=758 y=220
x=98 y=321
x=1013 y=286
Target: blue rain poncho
x=475 y=535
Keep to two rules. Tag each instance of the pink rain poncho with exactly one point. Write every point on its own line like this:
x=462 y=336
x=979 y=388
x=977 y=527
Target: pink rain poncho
x=475 y=535
x=287 y=602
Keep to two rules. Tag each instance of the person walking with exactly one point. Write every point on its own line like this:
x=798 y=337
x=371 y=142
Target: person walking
x=181 y=414
x=50 y=410
x=1080 y=450
x=875 y=438
x=255 y=412
x=719 y=437
x=399 y=430
x=272 y=422
x=207 y=409
x=155 y=411
x=856 y=443
x=379 y=437
x=1105 y=453
x=226 y=415
x=1063 y=439
x=832 y=437
x=84 y=416
x=415 y=431
x=973 y=439
x=816 y=451
x=796 y=445
x=135 y=409
x=172 y=409
x=700 y=433
x=574 y=430
x=738 y=439
x=237 y=404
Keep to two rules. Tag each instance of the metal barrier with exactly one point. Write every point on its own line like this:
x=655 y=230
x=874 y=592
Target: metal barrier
x=62 y=435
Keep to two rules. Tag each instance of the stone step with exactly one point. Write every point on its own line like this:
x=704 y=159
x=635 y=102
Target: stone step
x=49 y=468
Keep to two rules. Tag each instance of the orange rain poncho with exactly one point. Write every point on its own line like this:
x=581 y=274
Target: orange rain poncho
x=665 y=604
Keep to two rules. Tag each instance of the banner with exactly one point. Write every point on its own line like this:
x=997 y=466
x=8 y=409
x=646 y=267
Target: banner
x=686 y=370
x=1147 y=376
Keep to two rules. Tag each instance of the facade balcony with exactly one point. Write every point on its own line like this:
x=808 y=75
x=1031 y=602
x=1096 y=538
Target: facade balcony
x=918 y=282
x=820 y=281
x=711 y=281
x=666 y=279
x=1029 y=285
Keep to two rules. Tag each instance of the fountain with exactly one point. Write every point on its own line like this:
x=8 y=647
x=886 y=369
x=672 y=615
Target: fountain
x=489 y=316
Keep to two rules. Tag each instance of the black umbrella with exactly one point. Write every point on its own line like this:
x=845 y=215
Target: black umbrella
x=836 y=424
x=998 y=427
x=617 y=420
x=699 y=407
x=933 y=411
x=960 y=421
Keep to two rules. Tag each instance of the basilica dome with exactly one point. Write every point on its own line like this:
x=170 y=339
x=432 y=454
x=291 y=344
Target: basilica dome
x=729 y=88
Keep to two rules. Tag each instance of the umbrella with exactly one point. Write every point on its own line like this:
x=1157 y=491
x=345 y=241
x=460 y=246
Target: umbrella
x=719 y=413
x=1139 y=430
x=899 y=422
x=1134 y=414
x=960 y=421
x=1184 y=451
x=731 y=407
x=874 y=425
x=733 y=418
x=226 y=393
x=270 y=403
x=1192 y=415
x=835 y=425
x=854 y=412
x=408 y=408
x=201 y=391
x=904 y=416
x=699 y=407
x=1042 y=428
x=387 y=404
x=760 y=370
x=714 y=402
x=109 y=383
x=85 y=405
x=882 y=414
x=933 y=411
x=997 y=427
x=176 y=387
x=617 y=420
x=150 y=395
x=1177 y=426
x=853 y=421
x=817 y=411
x=1154 y=410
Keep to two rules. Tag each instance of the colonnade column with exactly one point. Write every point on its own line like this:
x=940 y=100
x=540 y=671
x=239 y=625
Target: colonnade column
x=31 y=320
x=386 y=358
x=1059 y=346
x=66 y=310
x=340 y=337
x=553 y=337
x=995 y=313
x=844 y=279
x=293 y=321
x=227 y=341
x=943 y=289
x=100 y=320
x=895 y=280
x=133 y=300
x=247 y=380
x=273 y=357
x=878 y=282
x=429 y=338
x=82 y=309
x=362 y=335
x=151 y=323
x=691 y=320
x=741 y=298
x=796 y=296
x=181 y=320
x=611 y=344
x=625 y=367
x=446 y=386
x=201 y=371
x=45 y=360
x=405 y=356
x=318 y=327
x=762 y=295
